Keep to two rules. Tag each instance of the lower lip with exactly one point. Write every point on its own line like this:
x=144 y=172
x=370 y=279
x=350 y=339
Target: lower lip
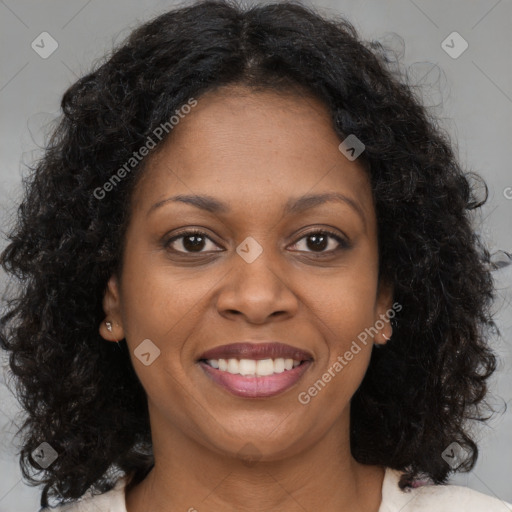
x=256 y=387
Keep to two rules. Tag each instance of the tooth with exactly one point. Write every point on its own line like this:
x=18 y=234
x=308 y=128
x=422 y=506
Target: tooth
x=251 y=367
x=233 y=365
x=265 y=367
x=247 y=367
x=279 y=365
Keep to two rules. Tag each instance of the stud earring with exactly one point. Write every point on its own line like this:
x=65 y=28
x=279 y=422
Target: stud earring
x=109 y=329
x=385 y=337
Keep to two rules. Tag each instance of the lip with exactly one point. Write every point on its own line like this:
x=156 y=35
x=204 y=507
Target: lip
x=256 y=387
x=256 y=351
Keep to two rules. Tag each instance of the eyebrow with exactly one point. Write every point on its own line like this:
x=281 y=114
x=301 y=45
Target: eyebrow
x=293 y=205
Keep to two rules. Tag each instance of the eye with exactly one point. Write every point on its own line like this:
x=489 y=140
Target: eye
x=319 y=240
x=194 y=241
x=189 y=242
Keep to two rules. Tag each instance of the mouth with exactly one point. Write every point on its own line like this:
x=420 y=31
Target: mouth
x=255 y=370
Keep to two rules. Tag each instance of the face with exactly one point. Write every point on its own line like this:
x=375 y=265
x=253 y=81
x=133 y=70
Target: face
x=258 y=156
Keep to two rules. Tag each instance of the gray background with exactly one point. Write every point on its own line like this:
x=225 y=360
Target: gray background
x=471 y=94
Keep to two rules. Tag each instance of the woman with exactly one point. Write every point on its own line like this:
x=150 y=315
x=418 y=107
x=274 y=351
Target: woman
x=245 y=261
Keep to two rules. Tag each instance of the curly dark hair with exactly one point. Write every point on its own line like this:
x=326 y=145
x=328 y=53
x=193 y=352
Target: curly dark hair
x=81 y=394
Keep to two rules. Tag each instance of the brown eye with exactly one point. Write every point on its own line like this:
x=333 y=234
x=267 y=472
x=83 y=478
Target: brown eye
x=189 y=242
x=319 y=241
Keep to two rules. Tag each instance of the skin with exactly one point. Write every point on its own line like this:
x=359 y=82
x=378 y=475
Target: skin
x=253 y=151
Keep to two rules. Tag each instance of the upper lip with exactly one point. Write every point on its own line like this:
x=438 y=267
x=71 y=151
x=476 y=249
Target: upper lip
x=257 y=351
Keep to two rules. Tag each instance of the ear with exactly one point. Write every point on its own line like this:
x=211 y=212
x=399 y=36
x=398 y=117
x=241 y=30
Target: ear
x=112 y=309
x=383 y=306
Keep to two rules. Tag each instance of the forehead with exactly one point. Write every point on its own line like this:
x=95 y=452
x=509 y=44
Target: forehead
x=247 y=146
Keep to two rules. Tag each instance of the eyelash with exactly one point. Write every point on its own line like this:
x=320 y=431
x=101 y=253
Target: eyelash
x=343 y=244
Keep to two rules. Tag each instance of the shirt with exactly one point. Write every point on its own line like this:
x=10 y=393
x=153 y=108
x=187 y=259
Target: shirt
x=427 y=498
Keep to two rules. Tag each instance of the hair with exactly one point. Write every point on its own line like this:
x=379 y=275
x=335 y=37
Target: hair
x=81 y=395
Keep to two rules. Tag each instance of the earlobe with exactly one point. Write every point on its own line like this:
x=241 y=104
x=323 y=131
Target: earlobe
x=383 y=319
x=383 y=336
x=111 y=328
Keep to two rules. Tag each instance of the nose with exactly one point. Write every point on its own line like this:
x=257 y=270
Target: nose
x=257 y=291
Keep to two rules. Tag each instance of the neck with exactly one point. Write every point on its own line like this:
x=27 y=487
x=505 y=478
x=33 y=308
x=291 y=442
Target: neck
x=187 y=476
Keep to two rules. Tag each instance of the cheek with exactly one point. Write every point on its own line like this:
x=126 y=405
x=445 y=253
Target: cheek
x=346 y=303
x=158 y=307
x=344 y=312
x=167 y=306
x=343 y=322
x=157 y=300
